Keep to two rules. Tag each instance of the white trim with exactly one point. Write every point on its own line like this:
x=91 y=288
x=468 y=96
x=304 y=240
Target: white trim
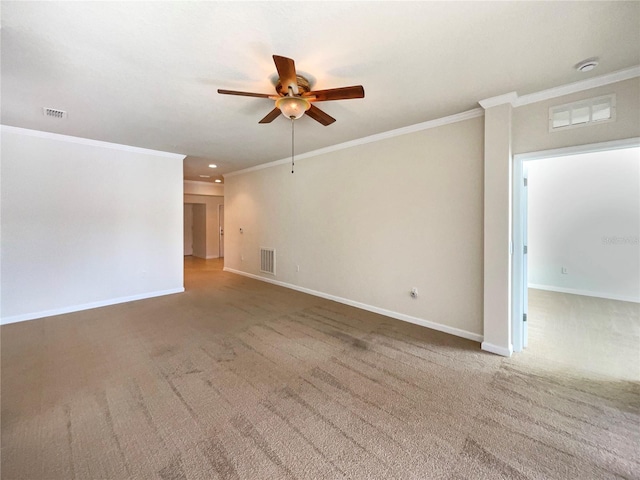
x=490 y=347
x=519 y=212
x=438 y=122
x=579 y=86
x=220 y=231
x=86 y=306
x=510 y=97
x=89 y=142
x=579 y=149
x=389 y=313
x=209 y=257
x=586 y=293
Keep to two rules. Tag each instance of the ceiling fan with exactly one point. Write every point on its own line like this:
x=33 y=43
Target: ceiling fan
x=294 y=95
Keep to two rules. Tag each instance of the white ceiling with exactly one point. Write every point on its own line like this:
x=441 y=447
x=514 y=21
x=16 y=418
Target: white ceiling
x=146 y=74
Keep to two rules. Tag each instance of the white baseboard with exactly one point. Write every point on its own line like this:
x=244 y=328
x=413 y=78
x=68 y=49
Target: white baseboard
x=209 y=257
x=86 y=306
x=490 y=347
x=587 y=293
x=389 y=313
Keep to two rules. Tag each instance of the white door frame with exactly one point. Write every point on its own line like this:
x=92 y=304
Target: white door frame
x=519 y=215
x=221 y=230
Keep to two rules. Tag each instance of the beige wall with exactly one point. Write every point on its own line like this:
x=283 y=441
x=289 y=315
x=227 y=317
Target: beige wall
x=203 y=188
x=370 y=222
x=212 y=238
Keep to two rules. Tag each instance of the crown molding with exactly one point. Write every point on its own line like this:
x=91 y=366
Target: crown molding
x=510 y=97
x=86 y=141
x=438 y=122
x=518 y=101
x=580 y=86
x=200 y=182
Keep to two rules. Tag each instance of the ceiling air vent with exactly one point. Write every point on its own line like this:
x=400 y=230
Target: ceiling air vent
x=582 y=113
x=54 y=112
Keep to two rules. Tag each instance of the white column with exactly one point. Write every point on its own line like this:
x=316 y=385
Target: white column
x=497 y=224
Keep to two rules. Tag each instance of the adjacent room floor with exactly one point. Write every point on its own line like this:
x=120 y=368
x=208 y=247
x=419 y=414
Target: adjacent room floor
x=240 y=379
x=588 y=334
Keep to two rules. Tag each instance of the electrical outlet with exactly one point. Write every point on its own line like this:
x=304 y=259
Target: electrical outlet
x=242 y=258
x=297 y=268
x=414 y=292
x=564 y=270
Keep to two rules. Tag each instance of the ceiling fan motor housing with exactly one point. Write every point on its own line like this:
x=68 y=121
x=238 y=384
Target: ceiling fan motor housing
x=303 y=86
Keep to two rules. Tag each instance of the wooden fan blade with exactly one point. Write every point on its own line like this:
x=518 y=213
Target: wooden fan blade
x=320 y=116
x=287 y=71
x=271 y=116
x=343 y=93
x=244 y=94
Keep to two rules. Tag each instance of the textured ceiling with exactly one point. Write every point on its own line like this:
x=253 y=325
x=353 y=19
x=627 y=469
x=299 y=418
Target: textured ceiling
x=146 y=73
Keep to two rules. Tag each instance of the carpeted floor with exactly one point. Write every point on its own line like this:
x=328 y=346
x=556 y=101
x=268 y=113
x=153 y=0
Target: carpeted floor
x=239 y=379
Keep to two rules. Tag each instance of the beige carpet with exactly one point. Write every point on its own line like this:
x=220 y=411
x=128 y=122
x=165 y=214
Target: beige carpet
x=239 y=379
x=591 y=334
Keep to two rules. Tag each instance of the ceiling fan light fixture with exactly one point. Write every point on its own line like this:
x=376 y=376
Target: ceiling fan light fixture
x=293 y=107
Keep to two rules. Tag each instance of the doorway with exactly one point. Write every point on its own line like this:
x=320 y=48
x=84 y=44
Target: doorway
x=195 y=230
x=579 y=268
x=188 y=229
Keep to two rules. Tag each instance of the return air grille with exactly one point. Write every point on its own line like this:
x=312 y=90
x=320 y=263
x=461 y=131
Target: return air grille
x=268 y=260
x=583 y=113
x=53 y=112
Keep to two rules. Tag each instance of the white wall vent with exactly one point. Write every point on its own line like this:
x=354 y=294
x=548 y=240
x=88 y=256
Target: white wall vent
x=54 y=112
x=582 y=113
x=268 y=260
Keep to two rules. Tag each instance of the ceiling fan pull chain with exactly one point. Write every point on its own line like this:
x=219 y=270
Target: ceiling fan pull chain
x=292 y=137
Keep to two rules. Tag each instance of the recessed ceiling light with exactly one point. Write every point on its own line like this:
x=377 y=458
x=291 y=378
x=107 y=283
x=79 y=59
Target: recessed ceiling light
x=205 y=176
x=587 y=65
x=212 y=165
x=217 y=180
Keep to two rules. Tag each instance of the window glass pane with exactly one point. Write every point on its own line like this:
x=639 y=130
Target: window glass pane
x=580 y=115
x=601 y=111
x=561 y=118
